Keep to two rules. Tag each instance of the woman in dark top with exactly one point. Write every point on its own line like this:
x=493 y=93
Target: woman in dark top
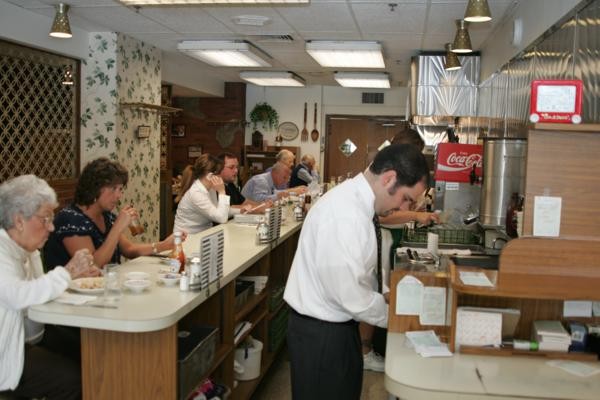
x=89 y=222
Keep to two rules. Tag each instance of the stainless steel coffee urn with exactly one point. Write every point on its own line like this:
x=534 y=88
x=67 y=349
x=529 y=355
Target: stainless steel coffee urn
x=503 y=175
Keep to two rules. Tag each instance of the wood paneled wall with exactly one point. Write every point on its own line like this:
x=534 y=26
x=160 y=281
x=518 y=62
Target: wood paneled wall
x=201 y=125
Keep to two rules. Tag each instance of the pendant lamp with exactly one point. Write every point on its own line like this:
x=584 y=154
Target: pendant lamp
x=452 y=62
x=61 y=27
x=478 y=11
x=462 y=40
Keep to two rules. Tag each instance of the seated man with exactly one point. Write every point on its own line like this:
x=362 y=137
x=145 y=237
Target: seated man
x=287 y=158
x=302 y=173
x=229 y=174
x=264 y=186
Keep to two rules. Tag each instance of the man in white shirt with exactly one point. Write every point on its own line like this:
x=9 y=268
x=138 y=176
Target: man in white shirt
x=332 y=281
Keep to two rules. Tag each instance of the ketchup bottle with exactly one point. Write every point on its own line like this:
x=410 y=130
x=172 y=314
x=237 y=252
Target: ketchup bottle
x=177 y=252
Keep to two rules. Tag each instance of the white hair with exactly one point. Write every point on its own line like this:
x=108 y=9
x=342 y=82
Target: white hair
x=23 y=195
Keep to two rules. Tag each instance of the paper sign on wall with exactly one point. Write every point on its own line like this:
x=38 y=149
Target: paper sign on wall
x=433 y=307
x=546 y=216
x=409 y=294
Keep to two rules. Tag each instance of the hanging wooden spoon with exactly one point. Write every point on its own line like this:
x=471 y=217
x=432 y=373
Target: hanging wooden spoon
x=314 y=135
x=304 y=134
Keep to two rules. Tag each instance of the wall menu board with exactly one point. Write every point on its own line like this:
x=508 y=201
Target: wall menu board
x=556 y=101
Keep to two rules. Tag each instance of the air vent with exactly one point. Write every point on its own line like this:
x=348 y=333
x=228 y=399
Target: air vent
x=271 y=38
x=372 y=98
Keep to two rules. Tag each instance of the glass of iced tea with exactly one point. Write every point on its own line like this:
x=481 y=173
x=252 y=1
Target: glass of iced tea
x=136 y=227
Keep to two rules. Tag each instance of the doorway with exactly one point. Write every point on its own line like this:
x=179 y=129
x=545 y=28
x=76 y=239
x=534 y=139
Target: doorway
x=353 y=141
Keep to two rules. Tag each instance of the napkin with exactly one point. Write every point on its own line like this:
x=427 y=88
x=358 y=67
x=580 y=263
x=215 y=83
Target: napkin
x=75 y=299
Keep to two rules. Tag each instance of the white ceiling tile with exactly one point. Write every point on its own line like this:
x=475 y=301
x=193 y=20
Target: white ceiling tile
x=185 y=19
x=378 y=17
x=319 y=18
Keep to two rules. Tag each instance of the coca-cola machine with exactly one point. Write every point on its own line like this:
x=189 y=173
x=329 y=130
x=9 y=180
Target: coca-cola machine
x=458 y=171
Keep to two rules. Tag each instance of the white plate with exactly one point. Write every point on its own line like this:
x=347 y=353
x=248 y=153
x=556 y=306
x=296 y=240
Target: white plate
x=136 y=275
x=88 y=285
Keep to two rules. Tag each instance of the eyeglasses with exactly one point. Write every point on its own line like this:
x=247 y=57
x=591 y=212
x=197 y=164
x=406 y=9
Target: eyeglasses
x=47 y=220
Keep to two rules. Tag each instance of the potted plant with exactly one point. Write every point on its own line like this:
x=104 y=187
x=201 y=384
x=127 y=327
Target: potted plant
x=265 y=114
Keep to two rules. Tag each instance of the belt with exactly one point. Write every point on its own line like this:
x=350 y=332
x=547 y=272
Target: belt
x=350 y=322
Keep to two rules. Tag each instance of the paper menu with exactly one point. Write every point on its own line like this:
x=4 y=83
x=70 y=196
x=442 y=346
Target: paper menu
x=475 y=279
x=575 y=367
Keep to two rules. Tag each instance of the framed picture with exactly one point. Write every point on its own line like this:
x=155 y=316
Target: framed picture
x=143 y=132
x=194 y=151
x=178 y=130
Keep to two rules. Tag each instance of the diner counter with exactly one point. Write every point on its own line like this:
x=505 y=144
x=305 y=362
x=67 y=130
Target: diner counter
x=412 y=377
x=159 y=307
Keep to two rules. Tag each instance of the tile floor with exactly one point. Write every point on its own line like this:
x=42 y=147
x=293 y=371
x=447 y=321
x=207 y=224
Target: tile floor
x=276 y=384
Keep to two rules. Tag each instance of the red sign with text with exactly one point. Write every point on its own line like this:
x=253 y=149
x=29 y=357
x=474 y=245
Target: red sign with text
x=455 y=161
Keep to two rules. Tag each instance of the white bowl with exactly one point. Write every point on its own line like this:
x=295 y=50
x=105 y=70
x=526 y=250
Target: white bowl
x=137 y=285
x=137 y=275
x=169 y=279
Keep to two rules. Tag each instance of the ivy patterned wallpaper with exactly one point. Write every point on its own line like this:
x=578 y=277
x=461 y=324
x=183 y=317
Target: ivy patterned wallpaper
x=121 y=69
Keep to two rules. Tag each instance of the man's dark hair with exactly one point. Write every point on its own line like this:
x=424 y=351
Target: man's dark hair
x=409 y=136
x=406 y=160
x=97 y=174
x=225 y=155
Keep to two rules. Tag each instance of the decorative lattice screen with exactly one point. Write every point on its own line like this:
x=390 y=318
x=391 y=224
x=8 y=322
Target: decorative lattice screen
x=38 y=114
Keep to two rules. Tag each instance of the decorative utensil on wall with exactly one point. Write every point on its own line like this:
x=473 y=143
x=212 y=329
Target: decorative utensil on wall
x=304 y=134
x=314 y=135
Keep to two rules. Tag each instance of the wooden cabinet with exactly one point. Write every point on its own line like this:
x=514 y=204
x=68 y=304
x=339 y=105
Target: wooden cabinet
x=256 y=161
x=219 y=310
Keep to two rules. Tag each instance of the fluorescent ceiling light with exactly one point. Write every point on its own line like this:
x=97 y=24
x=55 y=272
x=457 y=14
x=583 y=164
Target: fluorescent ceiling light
x=222 y=53
x=363 y=79
x=272 y=78
x=187 y=2
x=346 y=54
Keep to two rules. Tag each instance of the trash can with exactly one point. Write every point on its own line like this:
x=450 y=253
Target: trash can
x=249 y=356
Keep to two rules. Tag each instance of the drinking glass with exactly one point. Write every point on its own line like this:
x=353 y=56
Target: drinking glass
x=112 y=286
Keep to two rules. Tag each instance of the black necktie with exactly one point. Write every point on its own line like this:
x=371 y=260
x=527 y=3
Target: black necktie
x=378 y=236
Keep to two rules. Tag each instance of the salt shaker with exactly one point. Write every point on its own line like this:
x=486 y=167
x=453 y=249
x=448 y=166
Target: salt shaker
x=184 y=283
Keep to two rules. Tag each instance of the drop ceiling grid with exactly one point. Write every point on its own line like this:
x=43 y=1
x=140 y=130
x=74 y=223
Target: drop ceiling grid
x=377 y=18
x=320 y=18
x=186 y=20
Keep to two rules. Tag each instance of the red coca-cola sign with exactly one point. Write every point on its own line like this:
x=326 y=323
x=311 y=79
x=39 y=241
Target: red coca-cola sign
x=455 y=161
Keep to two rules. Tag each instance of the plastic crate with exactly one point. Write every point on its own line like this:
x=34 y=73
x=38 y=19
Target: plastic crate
x=195 y=353
x=278 y=329
x=242 y=291
x=276 y=297
x=446 y=236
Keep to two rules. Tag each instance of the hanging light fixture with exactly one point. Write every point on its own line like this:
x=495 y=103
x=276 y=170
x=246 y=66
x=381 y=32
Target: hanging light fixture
x=462 y=40
x=452 y=62
x=61 y=27
x=68 y=76
x=478 y=11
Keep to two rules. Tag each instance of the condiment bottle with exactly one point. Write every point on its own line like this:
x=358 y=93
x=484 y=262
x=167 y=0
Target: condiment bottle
x=177 y=252
x=262 y=232
x=307 y=203
x=298 y=212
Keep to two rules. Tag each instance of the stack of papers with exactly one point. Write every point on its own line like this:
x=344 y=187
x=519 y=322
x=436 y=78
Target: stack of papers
x=475 y=279
x=427 y=344
x=551 y=336
x=260 y=282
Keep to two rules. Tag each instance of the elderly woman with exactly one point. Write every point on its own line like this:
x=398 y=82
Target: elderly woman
x=27 y=204
x=89 y=223
x=202 y=197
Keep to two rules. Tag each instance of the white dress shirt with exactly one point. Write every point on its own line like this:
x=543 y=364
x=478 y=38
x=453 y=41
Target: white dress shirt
x=199 y=208
x=22 y=284
x=333 y=273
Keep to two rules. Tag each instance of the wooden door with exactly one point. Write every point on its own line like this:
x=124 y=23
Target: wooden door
x=366 y=134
